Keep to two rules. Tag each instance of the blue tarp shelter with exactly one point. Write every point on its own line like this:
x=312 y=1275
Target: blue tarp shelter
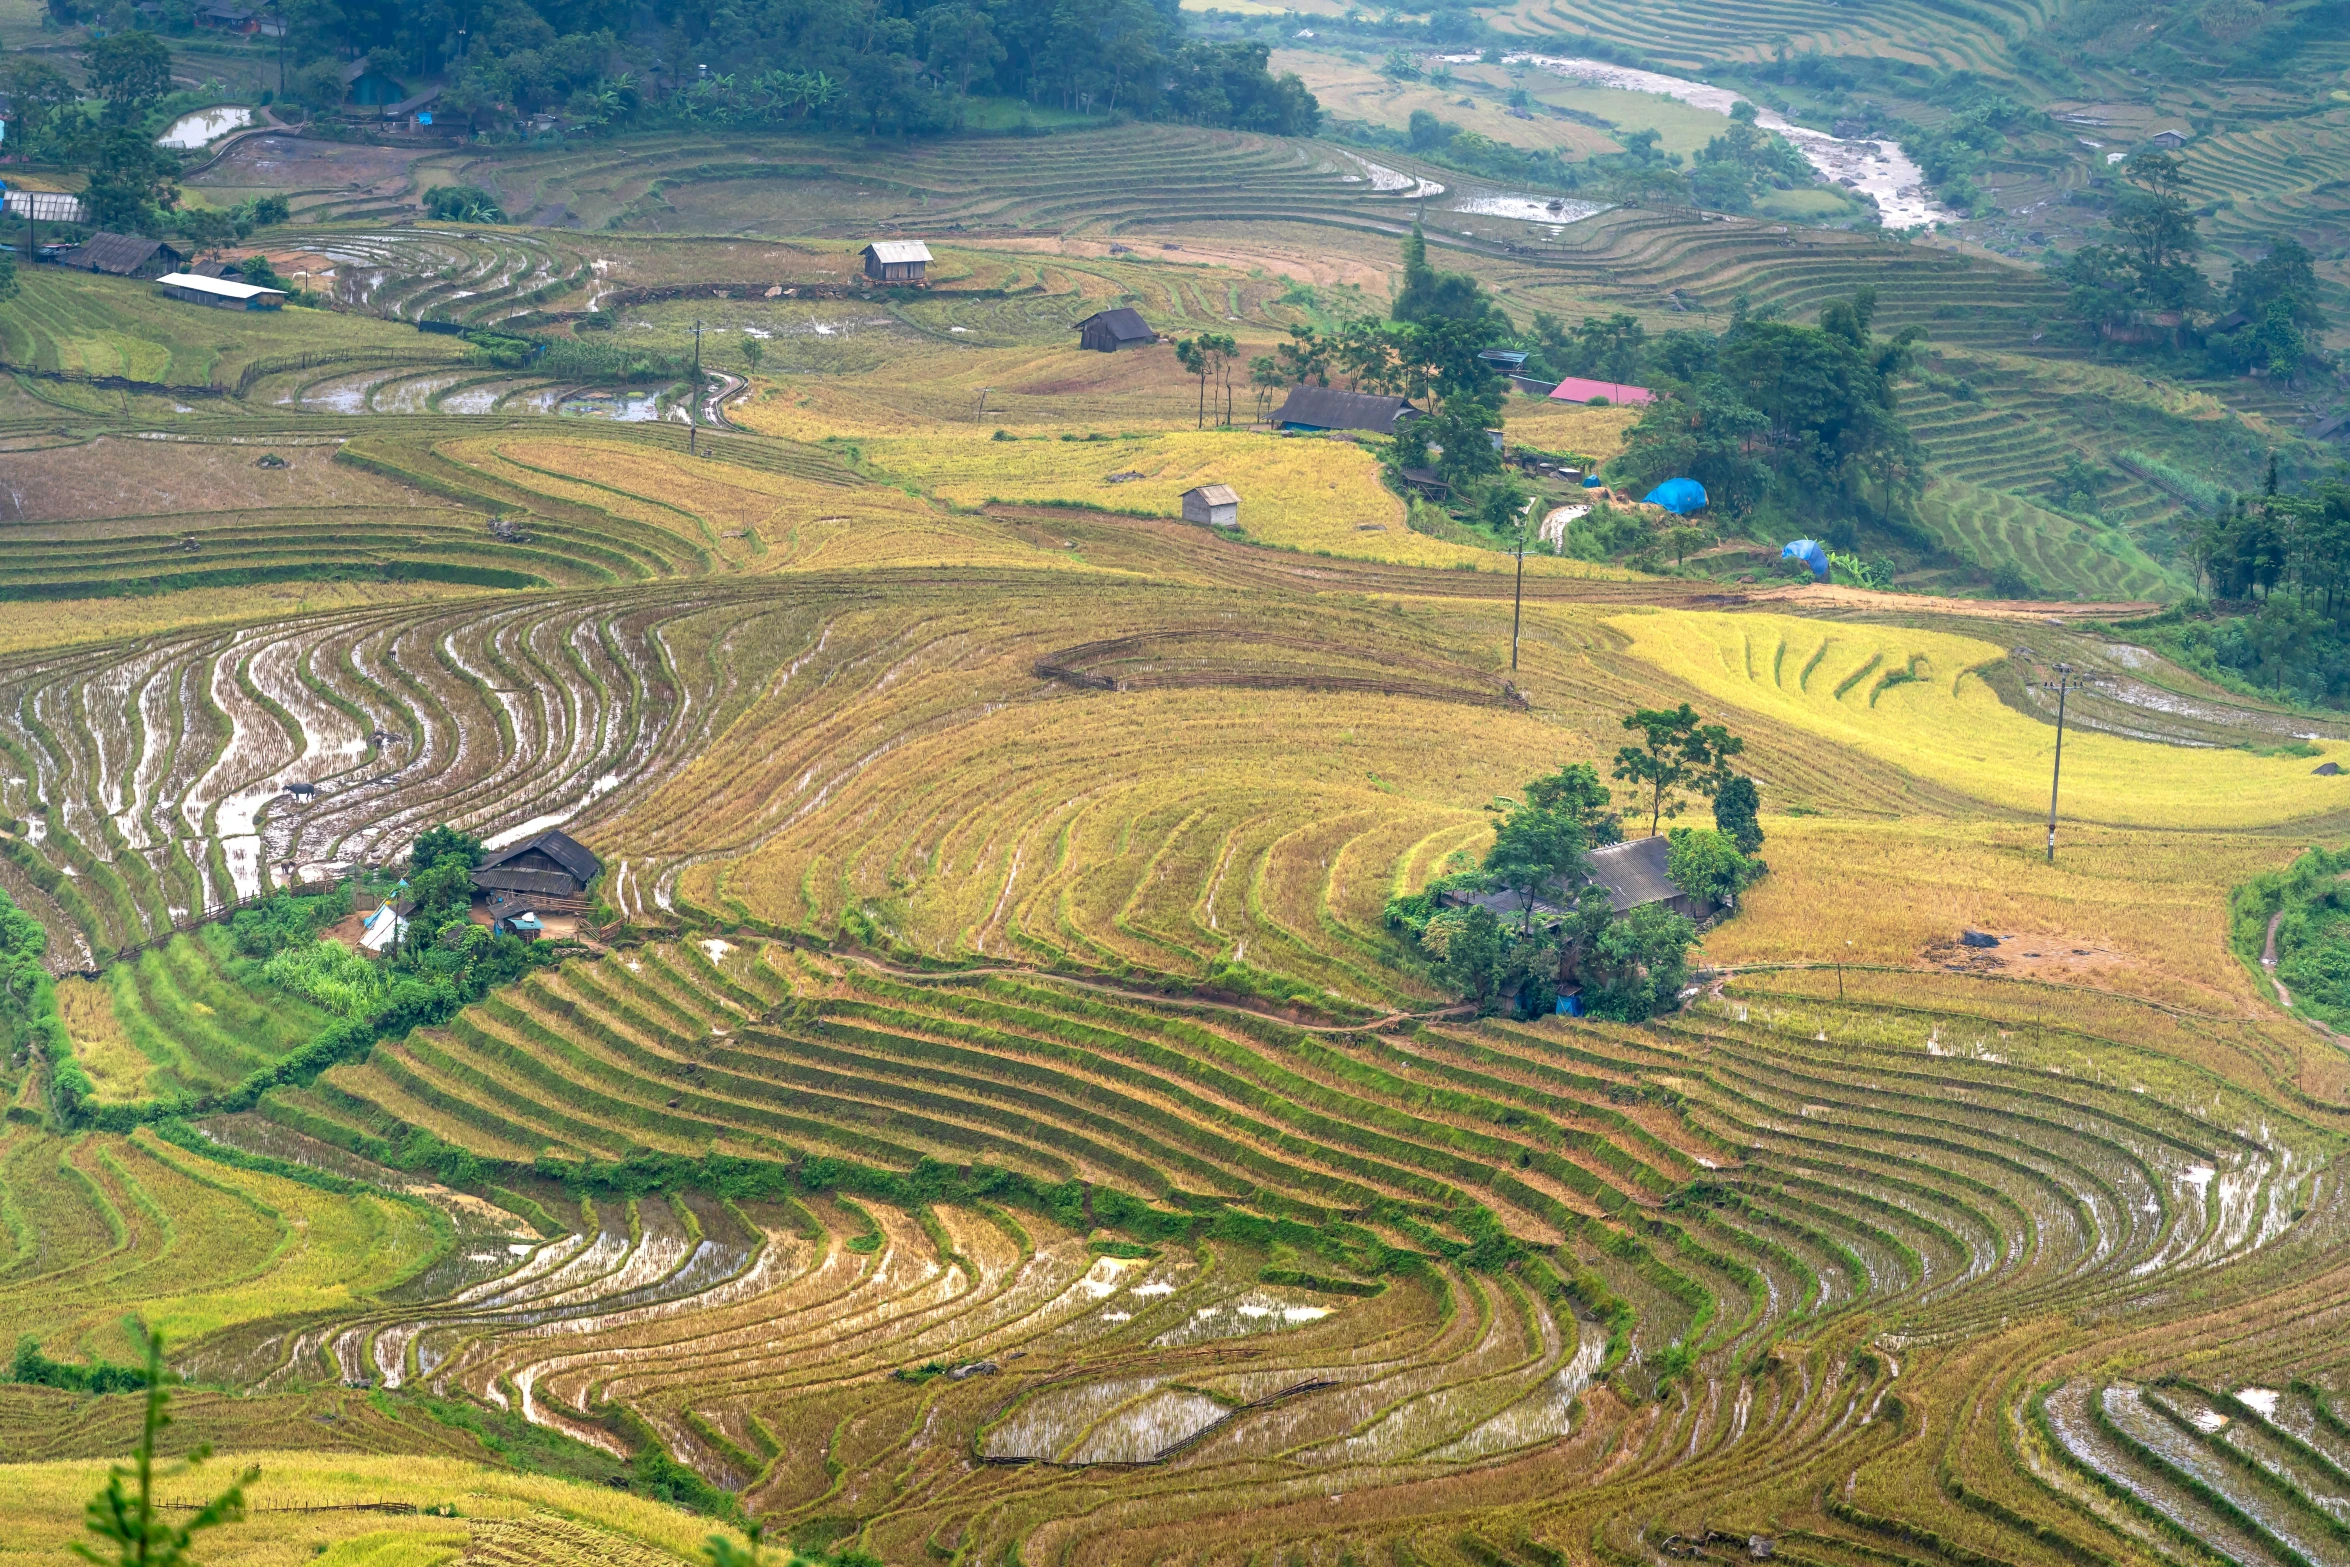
x=1593 y=481
x=1678 y=496
x=1811 y=554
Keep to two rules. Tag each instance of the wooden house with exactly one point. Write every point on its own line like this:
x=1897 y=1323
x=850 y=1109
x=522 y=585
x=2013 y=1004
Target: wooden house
x=1217 y=505
x=368 y=87
x=1107 y=331
x=123 y=255
x=898 y=261
x=1327 y=408
x=549 y=871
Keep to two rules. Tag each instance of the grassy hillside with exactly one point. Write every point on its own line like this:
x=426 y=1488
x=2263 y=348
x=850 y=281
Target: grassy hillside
x=84 y=325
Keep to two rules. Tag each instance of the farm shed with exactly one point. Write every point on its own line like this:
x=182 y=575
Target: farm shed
x=123 y=255
x=368 y=87
x=898 y=261
x=383 y=930
x=1327 y=408
x=44 y=206
x=551 y=867
x=417 y=111
x=2172 y=140
x=223 y=293
x=1107 y=331
x=1575 y=389
x=1218 y=505
x=239 y=19
x=1631 y=874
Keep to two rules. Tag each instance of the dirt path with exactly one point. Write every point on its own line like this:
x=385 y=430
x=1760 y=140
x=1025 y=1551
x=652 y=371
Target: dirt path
x=2268 y=960
x=1826 y=594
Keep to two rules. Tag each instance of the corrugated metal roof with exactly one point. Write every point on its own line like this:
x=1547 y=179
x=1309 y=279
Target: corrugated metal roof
x=198 y=284
x=1328 y=408
x=1633 y=873
x=1215 y=494
x=119 y=254
x=892 y=251
x=1577 y=389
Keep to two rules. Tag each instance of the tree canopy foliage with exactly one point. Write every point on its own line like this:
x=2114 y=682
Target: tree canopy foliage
x=1803 y=417
x=871 y=66
x=1527 y=922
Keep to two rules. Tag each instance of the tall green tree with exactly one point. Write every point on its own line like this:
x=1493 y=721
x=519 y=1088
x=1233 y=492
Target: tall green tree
x=126 y=1522
x=130 y=71
x=1538 y=852
x=1738 y=812
x=132 y=184
x=1676 y=752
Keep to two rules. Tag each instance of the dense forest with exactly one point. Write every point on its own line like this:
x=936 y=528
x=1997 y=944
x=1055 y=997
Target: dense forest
x=876 y=66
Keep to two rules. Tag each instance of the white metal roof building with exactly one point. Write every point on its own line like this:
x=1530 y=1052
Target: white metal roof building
x=897 y=260
x=1215 y=504
x=44 y=206
x=220 y=291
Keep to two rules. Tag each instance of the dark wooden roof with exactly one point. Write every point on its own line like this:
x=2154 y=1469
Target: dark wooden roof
x=1328 y=408
x=1125 y=324
x=119 y=254
x=566 y=851
x=537 y=884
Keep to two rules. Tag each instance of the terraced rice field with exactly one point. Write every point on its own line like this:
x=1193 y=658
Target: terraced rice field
x=907 y=1167
x=1734 y=1252
x=175 y=1022
x=2058 y=555
x=82 y=326
x=1690 y=34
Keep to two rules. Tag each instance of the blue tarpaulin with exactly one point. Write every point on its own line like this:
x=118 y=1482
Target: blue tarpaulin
x=1679 y=496
x=1593 y=481
x=1811 y=554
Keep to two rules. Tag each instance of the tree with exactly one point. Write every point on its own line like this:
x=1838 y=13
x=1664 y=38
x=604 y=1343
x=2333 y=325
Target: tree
x=130 y=71
x=1633 y=967
x=131 y=185
x=1705 y=862
x=1738 y=812
x=1305 y=357
x=1264 y=374
x=723 y=1552
x=206 y=228
x=38 y=93
x=442 y=842
x=462 y=204
x=1430 y=295
x=752 y=353
x=1206 y=357
x=1537 y=851
x=1675 y=752
x=1472 y=952
x=133 y=1535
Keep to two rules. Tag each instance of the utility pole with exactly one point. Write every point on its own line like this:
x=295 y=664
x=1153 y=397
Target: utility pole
x=1518 y=597
x=693 y=409
x=2067 y=681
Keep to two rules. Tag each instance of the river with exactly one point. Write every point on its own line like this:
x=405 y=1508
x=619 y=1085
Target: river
x=1877 y=169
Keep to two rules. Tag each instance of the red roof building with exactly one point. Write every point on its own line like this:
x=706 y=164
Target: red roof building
x=1575 y=389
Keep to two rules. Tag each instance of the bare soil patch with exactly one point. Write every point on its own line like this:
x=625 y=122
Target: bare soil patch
x=288 y=162
x=2055 y=959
